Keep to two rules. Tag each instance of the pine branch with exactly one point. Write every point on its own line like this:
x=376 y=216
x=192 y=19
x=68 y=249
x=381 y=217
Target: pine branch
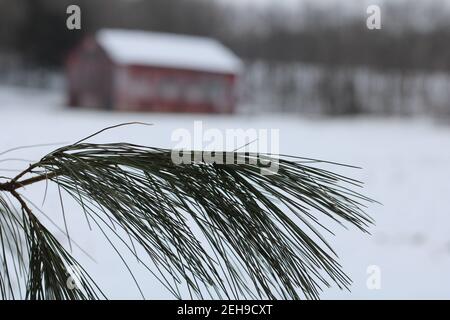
x=257 y=236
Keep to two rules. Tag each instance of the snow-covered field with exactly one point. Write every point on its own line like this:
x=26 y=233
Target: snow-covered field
x=406 y=166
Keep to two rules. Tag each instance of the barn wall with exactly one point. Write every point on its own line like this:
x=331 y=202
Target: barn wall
x=89 y=73
x=141 y=88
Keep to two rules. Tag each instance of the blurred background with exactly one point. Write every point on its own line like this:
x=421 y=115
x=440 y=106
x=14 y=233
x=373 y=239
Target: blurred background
x=300 y=56
x=336 y=90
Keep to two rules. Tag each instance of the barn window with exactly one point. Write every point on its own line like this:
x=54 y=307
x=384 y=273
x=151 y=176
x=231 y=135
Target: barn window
x=215 y=91
x=170 y=88
x=194 y=93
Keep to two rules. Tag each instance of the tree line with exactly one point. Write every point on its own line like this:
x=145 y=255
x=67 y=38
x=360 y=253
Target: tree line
x=35 y=31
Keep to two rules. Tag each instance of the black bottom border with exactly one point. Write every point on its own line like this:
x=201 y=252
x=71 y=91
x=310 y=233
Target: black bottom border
x=162 y=309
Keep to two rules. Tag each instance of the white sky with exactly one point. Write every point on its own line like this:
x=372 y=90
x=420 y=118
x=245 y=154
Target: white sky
x=356 y=4
x=325 y=3
x=349 y=6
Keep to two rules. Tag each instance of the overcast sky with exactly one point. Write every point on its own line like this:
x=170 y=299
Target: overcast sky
x=325 y=3
x=354 y=5
x=349 y=6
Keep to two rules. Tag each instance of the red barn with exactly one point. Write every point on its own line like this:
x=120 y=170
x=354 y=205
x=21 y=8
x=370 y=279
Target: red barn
x=146 y=71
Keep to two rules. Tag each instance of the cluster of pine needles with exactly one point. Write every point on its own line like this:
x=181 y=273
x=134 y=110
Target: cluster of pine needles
x=222 y=231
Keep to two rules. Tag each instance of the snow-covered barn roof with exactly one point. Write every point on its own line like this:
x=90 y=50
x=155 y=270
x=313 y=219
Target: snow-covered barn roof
x=130 y=47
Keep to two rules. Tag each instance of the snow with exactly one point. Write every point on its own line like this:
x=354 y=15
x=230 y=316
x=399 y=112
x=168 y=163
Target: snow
x=406 y=166
x=130 y=47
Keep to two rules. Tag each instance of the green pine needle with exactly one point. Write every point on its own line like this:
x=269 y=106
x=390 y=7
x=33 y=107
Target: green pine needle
x=256 y=236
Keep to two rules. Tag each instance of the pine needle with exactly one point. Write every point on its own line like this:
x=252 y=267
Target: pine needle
x=221 y=230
